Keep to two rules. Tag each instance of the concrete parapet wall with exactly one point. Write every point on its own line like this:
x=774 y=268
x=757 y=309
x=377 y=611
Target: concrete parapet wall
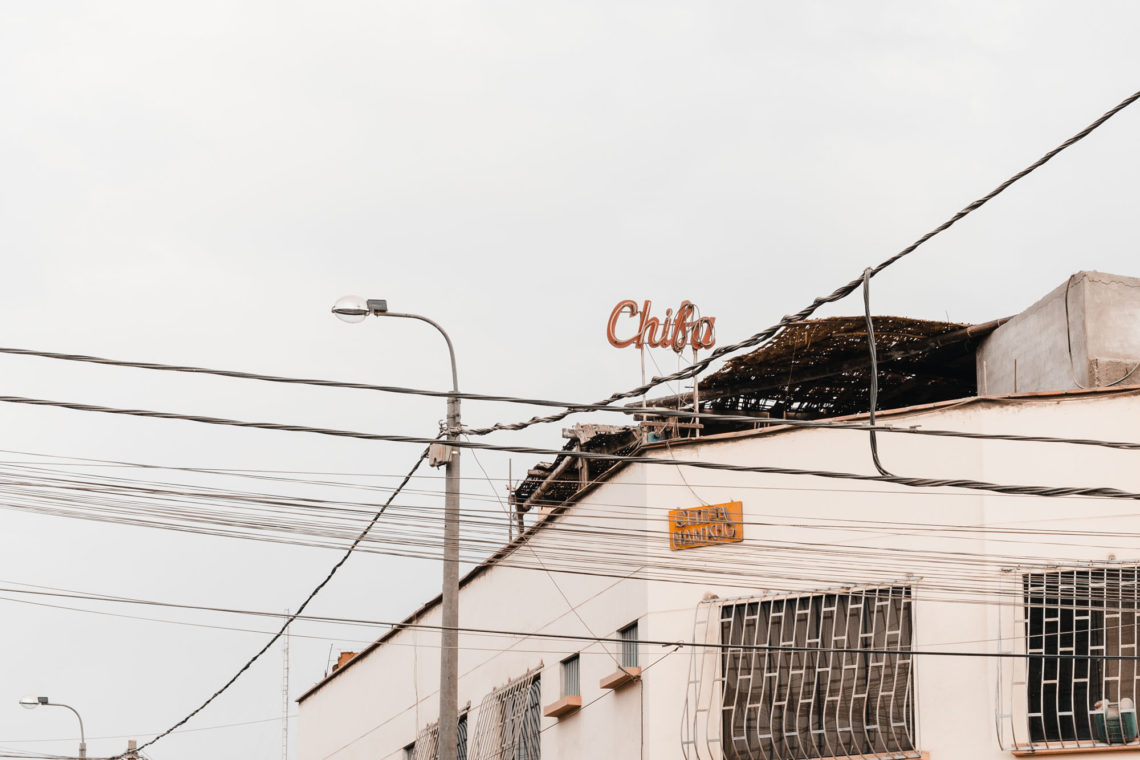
x=1083 y=334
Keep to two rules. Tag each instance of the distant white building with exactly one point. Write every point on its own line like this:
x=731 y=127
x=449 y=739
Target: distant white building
x=825 y=631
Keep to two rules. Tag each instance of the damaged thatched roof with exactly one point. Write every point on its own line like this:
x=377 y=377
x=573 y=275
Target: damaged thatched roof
x=821 y=368
x=551 y=483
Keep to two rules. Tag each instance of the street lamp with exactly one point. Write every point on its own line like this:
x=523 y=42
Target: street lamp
x=354 y=309
x=31 y=703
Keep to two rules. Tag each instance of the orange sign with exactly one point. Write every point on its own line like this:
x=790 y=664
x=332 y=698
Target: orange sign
x=675 y=332
x=705 y=526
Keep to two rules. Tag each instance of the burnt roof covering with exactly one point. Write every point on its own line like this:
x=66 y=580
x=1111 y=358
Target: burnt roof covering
x=821 y=368
x=555 y=490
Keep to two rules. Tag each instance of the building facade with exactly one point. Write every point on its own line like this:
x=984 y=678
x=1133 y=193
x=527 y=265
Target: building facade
x=666 y=610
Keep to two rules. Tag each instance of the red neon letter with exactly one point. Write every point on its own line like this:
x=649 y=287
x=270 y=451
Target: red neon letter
x=706 y=328
x=612 y=324
x=681 y=326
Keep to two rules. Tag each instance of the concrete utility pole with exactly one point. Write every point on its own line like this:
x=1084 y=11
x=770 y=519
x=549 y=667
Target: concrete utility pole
x=356 y=309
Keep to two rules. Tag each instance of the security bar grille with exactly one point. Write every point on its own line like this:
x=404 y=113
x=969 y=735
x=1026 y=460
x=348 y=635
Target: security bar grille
x=426 y=746
x=508 y=723
x=795 y=705
x=1082 y=697
x=629 y=646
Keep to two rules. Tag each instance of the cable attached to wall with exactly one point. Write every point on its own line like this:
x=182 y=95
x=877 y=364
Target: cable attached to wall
x=874 y=371
x=1069 y=345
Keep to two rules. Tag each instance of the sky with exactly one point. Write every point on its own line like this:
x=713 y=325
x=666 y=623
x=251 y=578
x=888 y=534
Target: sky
x=196 y=183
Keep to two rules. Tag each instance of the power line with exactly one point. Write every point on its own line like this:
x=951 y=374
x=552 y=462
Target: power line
x=598 y=550
x=593 y=544
x=910 y=482
x=519 y=634
x=300 y=608
x=581 y=407
x=267 y=474
x=839 y=293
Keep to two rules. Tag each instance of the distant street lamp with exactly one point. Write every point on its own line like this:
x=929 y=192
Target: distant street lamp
x=354 y=309
x=31 y=703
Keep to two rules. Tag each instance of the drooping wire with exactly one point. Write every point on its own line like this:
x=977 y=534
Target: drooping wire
x=874 y=402
x=289 y=621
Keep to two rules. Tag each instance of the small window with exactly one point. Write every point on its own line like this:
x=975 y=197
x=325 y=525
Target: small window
x=628 y=637
x=571 y=677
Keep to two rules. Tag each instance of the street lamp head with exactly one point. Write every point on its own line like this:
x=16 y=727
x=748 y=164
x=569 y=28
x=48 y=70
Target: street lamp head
x=353 y=309
x=31 y=702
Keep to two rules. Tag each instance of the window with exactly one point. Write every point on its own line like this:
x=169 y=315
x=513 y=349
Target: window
x=783 y=704
x=426 y=745
x=507 y=727
x=571 y=677
x=628 y=636
x=1077 y=621
x=461 y=738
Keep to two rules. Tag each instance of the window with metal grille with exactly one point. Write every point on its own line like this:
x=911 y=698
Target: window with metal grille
x=825 y=675
x=1080 y=627
x=507 y=726
x=426 y=745
x=571 y=677
x=628 y=637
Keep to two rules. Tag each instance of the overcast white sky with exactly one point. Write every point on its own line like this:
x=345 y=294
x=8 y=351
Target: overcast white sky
x=198 y=182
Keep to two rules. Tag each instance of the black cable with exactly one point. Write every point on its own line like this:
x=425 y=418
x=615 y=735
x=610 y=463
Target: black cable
x=911 y=482
x=289 y=621
x=604 y=405
x=839 y=293
x=874 y=372
x=501 y=632
x=578 y=407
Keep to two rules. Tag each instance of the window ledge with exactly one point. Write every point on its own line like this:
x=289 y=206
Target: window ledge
x=1075 y=750
x=564 y=706
x=620 y=678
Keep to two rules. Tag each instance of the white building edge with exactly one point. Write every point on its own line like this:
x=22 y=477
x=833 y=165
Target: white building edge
x=855 y=619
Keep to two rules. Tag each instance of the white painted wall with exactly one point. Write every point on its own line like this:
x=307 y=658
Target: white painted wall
x=376 y=706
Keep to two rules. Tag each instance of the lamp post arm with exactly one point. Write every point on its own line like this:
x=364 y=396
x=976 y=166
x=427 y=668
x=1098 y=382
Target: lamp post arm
x=446 y=337
x=82 y=735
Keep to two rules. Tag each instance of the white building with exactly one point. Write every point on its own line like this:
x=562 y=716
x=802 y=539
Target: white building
x=855 y=617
